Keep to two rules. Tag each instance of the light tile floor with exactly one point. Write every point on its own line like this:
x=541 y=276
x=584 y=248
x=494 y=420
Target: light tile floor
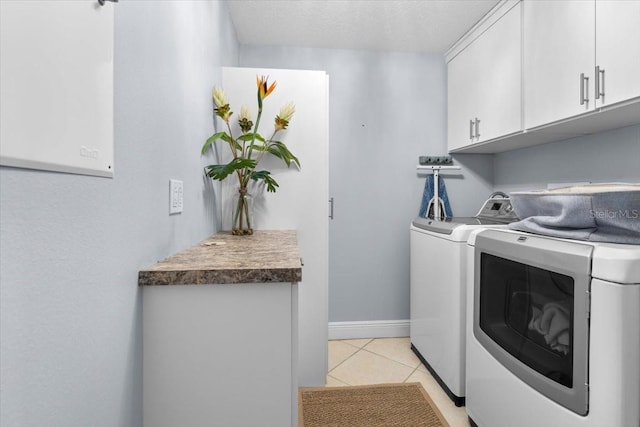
x=387 y=360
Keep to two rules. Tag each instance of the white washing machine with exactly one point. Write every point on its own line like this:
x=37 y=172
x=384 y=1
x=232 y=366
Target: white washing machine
x=552 y=331
x=438 y=284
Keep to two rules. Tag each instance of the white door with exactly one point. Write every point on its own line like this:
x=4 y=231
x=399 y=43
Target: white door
x=300 y=203
x=618 y=50
x=558 y=46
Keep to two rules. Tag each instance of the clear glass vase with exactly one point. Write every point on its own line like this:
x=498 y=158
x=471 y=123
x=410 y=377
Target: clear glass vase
x=242 y=213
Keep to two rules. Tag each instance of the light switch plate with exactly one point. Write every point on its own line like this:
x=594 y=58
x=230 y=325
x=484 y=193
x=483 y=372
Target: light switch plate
x=175 y=196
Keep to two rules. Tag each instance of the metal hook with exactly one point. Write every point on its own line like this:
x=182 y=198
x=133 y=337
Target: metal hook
x=102 y=1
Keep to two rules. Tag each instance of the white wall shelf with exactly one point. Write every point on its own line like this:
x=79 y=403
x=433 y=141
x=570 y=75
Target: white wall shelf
x=435 y=169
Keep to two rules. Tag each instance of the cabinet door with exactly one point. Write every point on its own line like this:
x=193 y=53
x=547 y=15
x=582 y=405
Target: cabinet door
x=499 y=78
x=462 y=83
x=558 y=47
x=617 y=50
x=485 y=84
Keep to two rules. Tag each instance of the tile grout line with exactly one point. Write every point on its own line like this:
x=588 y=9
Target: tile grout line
x=412 y=372
x=373 y=352
x=359 y=349
x=337 y=379
x=388 y=358
x=349 y=357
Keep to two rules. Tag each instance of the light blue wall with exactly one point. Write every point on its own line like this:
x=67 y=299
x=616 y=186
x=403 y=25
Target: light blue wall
x=71 y=246
x=612 y=156
x=386 y=109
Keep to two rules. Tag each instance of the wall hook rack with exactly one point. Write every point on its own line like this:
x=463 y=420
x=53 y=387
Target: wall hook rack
x=435 y=170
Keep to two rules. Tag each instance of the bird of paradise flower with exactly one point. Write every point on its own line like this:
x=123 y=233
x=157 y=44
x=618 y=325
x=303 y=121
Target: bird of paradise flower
x=248 y=149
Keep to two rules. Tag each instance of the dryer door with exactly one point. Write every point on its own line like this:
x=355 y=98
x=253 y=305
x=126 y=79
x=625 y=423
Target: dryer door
x=531 y=311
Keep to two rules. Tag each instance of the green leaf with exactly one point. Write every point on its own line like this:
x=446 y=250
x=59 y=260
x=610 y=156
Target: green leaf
x=256 y=175
x=220 y=172
x=236 y=145
x=266 y=177
x=280 y=150
x=246 y=137
x=213 y=138
x=249 y=137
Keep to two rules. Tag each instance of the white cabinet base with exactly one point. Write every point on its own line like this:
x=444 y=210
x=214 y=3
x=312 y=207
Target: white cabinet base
x=220 y=355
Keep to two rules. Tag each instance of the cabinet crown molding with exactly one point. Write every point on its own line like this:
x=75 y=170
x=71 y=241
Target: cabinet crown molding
x=480 y=27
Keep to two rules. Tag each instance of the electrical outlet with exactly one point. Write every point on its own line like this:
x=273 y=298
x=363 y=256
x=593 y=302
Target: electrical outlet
x=175 y=196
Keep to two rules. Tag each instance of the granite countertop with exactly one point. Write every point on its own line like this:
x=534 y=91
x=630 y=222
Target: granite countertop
x=266 y=256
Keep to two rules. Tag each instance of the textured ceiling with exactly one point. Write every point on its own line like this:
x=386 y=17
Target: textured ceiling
x=397 y=25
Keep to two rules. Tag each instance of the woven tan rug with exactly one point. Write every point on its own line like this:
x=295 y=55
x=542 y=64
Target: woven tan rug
x=380 y=405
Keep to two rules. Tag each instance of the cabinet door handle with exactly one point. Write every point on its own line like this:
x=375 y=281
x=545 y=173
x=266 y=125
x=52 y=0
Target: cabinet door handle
x=471 y=130
x=477 y=128
x=584 y=89
x=331 y=208
x=599 y=84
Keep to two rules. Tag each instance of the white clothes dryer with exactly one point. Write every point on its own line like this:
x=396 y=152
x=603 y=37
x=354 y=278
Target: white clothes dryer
x=552 y=331
x=438 y=284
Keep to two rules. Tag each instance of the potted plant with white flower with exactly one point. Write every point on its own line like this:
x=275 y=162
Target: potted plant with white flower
x=248 y=147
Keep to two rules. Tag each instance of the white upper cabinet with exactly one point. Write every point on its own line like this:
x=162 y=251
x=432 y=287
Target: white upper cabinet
x=579 y=55
x=559 y=60
x=542 y=71
x=617 y=51
x=485 y=81
x=462 y=105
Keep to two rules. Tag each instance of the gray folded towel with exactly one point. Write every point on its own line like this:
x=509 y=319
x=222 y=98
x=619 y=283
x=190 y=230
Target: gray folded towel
x=599 y=213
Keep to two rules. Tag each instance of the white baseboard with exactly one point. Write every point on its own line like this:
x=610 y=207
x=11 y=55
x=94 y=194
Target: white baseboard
x=368 y=329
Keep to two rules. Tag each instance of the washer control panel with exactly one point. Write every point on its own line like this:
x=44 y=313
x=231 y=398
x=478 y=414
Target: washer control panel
x=498 y=208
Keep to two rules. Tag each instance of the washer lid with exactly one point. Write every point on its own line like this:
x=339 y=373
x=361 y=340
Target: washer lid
x=447 y=225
